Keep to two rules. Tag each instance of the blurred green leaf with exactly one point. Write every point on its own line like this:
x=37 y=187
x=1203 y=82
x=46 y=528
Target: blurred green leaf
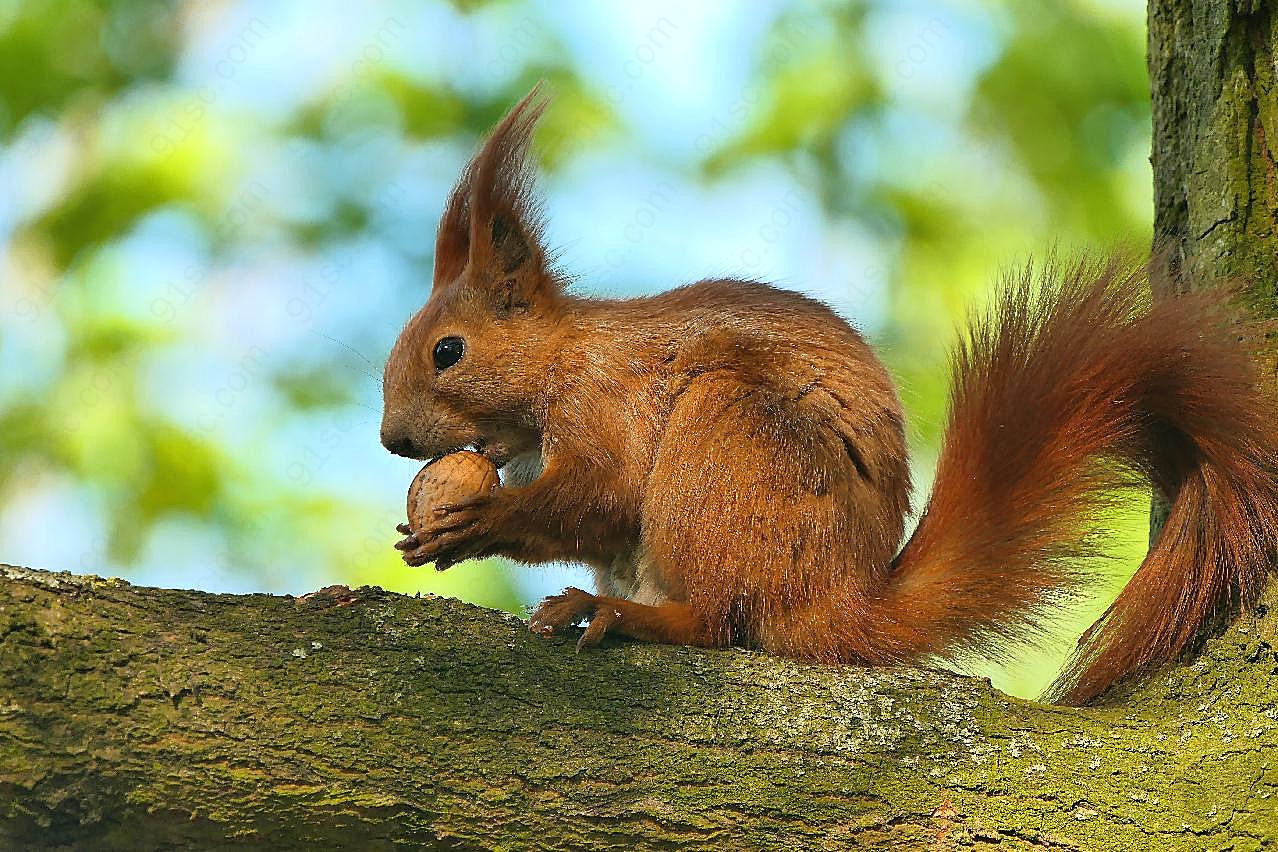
x=311 y=387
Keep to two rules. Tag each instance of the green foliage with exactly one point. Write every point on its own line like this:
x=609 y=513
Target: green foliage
x=53 y=56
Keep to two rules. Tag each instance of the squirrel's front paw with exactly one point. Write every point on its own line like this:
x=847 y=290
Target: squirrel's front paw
x=559 y=612
x=456 y=532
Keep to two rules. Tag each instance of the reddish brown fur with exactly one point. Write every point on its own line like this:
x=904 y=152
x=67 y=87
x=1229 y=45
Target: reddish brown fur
x=730 y=458
x=1063 y=397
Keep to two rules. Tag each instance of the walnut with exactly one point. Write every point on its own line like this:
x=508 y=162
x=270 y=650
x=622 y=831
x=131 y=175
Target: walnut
x=448 y=479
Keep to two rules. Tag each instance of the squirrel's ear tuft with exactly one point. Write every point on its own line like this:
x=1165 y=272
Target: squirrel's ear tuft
x=452 y=242
x=504 y=241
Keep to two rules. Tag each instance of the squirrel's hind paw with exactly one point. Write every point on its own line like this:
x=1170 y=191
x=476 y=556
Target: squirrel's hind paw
x=559 y=612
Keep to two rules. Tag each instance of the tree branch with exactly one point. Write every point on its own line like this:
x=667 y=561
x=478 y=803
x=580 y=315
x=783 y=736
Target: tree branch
x=366 y=719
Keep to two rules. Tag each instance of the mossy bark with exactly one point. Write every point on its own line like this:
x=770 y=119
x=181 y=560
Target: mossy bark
x=144 y=718
x=1215 y=143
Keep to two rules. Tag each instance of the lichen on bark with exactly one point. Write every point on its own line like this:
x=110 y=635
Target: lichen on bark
x=369 y=719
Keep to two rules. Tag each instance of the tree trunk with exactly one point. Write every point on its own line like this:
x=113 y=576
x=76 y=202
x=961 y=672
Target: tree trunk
x=1215 y=107
x=1212 y=74
x=142 y=717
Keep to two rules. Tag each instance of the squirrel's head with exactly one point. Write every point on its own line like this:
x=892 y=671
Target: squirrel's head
x=469 y=367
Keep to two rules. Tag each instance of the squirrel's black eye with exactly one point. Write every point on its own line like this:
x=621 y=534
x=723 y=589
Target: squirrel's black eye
x=448 y=351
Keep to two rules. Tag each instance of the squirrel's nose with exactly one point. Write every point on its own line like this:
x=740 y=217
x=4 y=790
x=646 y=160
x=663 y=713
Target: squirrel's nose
x=400 y=445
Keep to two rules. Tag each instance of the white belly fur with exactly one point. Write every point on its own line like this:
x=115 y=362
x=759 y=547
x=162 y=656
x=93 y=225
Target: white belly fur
x=632 y=576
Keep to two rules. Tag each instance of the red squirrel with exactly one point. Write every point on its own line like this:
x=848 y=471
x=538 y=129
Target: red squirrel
x=730 y=458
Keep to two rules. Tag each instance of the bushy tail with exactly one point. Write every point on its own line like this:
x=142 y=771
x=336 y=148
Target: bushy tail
x=1065 y=395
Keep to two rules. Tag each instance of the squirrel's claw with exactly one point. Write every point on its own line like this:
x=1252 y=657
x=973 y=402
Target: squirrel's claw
x=457 y=532
x=474 y=503
x=604 y=617
x=559 y=612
